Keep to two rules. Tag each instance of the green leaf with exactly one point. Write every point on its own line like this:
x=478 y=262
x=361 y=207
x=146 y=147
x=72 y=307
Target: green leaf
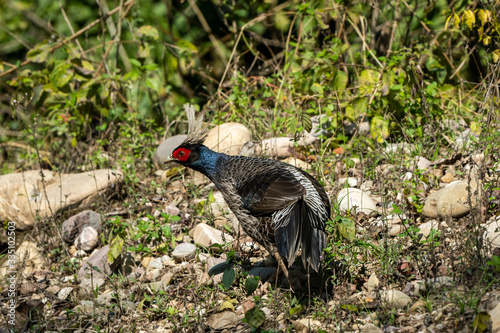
x=347 y=229
x=61 y=74
x=115 y=248
x=255 y=317
x=153 y=84
x=317 y=88
x=228 y=277
x=148 y=31
x=39 y=53
x=379 y=128
x=251 y=284
x=219 y=268
x=143 y=51
x=368 y=78
x=340 y=81
x=184 y=45
x=296 y=309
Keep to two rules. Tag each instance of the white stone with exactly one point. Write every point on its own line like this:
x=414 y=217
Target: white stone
x=395 y=298
x=275 y=147
x=184 y=252
x=87 y=240
x=350 y=181
x=219 y=206
x=207 y=236
x=64 y=293
x=29 y=259
x=357 y=200
x=24 y=196
x=228 y=138
x=452 y=201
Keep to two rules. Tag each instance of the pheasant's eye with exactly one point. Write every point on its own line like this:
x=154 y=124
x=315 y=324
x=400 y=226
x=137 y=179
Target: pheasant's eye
x=181 y=154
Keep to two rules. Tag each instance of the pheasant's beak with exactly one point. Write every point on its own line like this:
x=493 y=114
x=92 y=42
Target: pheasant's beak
x=169 y=160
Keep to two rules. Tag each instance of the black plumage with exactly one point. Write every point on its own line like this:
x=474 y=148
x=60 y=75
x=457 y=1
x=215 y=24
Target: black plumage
x=280 y=206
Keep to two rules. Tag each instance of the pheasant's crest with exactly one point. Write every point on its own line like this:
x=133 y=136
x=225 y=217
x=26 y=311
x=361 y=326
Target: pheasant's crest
x=196 y=133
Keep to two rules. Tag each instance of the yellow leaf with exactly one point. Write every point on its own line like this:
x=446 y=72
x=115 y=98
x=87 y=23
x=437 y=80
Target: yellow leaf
x=475 y=128
x=228 y=304
x=487 y=40
x=496 y=55
x=455 y=21
x=469 y=18
x=483 y=16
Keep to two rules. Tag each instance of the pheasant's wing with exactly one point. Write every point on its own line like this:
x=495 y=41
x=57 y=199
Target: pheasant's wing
x=266 y=192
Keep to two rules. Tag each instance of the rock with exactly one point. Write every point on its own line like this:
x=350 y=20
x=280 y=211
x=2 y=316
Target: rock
x=184 y=252
x=373 y=283
x=321 y=126
x=418 y=306
x=157 y=286
x=275 y=147
x=357 y=200
x=310 y=323
x=166 y=148
x=249 y=247
x=425 y=228
x=495 y=318
x=28 y=259
x=423 y=163
x=219 y=206
x=263 y=272
x=205 y=235
x=87 y=306
x=370 y=328
x=298 y=163
x=438 y=282
x=171 y=210
x=451 y=201
x=64 y=293
x=24 y=196
x=350 y=181
x=224 y=320
x=395 y=298
x=402 y=147
x=464 y=138
x=76 y=223
x=228 y=138
x=145 y=261
x=167 y=277
x=492 y=235
x=447 y=178
x=366 y=186
x=87 y=240
x=156 y=263
x=98 y=259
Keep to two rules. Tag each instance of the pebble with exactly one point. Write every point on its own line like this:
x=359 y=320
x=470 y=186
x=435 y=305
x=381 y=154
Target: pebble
x=184 y=252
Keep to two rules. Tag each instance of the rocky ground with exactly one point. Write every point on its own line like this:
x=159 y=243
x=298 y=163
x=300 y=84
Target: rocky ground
x=412 y=247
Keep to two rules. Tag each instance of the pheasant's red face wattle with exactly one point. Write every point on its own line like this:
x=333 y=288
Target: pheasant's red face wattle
x=181 y=154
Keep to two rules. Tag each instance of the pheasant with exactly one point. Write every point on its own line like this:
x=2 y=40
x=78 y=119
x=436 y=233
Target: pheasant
x=278 y=205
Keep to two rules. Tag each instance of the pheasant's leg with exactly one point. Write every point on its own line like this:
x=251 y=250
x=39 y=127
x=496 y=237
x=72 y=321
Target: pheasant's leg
x=281 y=265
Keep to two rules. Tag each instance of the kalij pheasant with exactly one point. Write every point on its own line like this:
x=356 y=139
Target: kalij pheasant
x=280 y=206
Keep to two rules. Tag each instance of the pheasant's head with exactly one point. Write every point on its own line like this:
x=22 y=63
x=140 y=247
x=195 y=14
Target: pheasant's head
x=197 y=157
x=186 y=154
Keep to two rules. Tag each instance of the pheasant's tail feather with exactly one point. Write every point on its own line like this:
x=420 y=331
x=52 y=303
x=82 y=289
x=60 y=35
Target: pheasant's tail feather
x=298 y=230
x=196 y=133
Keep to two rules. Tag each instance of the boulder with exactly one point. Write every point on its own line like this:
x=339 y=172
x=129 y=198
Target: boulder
x=24 y=196
x=228 y=138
